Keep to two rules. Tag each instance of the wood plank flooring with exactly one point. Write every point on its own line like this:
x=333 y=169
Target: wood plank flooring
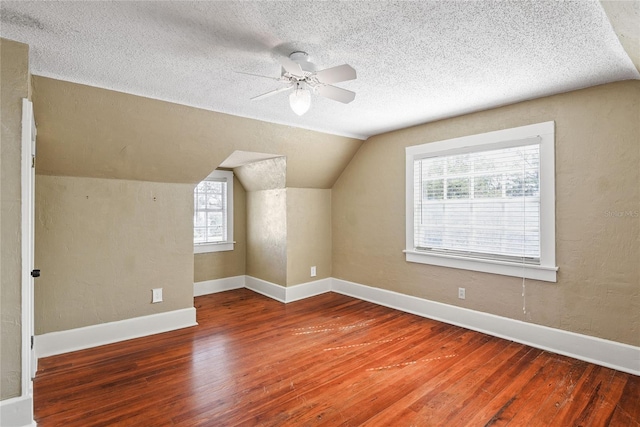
x=329 y=360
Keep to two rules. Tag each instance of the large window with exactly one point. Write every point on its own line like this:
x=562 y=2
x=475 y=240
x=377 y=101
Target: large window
x=485 y=202
x=213 y=213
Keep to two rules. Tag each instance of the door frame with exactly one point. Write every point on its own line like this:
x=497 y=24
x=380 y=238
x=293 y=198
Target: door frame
x=29 y=361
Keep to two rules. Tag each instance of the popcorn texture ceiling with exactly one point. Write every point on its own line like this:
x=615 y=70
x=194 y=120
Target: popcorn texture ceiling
x=416 y=61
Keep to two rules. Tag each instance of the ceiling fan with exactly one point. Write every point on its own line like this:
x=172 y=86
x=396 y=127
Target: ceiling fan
x=300 y=76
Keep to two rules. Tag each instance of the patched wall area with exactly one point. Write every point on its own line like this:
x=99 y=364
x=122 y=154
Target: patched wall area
x=597 y=242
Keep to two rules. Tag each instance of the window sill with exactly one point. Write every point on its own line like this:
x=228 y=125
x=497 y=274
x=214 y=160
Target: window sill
x=505 y=268
x=213 y=247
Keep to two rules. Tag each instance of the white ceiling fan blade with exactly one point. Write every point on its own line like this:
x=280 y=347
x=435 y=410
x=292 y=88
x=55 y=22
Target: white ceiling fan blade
x=291 y=67
x=336 y=93
x=341 y=73
x=258 y=75
x=273 y=92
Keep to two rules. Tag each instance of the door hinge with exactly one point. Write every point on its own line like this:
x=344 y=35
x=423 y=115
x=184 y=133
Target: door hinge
x=33 y=161
x=31 y=342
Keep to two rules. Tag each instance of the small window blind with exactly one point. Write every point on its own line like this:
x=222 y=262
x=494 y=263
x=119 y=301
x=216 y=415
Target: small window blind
x=210 y=211
x=483 y=204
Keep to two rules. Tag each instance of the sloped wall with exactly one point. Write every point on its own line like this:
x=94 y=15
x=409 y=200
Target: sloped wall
x=624 y=17
x=268 y=174
x=14 y=80
x=92 y=132
x=597 y=241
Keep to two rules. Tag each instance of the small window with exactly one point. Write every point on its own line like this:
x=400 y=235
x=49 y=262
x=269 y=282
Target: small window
x=213 y=213
x=485 y=202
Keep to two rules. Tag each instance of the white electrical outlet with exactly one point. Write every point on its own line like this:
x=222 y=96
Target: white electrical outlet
x=313 y=271
x=461 y=293
x=156 y=295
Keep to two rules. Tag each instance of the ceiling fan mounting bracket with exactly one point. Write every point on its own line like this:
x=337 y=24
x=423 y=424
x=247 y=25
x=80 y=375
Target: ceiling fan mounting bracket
x=299 y=56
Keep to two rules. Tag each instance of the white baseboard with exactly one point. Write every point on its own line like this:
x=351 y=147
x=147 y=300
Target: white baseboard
x=288 y=293
x=607 y=353
x=17 y=412
x=306 y=290
x=218 y=285
x=106 y=333
x=265 y=288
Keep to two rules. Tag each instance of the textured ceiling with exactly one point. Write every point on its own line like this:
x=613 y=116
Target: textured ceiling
x=416 y=61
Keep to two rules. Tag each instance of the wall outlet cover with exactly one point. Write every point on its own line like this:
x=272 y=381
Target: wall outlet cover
x=156 y=295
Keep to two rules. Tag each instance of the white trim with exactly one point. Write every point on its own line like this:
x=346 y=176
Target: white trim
x=17 y=412
x=307 y=290
x=548 y=196
x=545 y=133
x=615 y=355
x=106 y=333
x=506 y=135
x=218 y=285
x=505 y=268
x=271 y=290
x=204 y=248
x=286 y=294
x=26 y=239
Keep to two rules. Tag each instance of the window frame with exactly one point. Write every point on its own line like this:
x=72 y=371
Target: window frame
x=547 y=269
x=227 y=245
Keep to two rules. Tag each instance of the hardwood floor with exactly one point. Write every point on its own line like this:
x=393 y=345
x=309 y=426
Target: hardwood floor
x=329 y=360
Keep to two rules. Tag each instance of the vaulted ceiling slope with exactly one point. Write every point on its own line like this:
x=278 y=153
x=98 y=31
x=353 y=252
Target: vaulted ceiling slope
x=416 y=61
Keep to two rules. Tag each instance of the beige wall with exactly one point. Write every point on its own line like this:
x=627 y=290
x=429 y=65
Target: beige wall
x=14 y=84
x=308 y=234
x=103 y=244
x=597 y=171
x=95 y=133
x=267 y=235
x=218 y=265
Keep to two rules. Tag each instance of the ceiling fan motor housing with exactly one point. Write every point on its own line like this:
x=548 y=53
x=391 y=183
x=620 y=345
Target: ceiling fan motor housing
x=303 y=59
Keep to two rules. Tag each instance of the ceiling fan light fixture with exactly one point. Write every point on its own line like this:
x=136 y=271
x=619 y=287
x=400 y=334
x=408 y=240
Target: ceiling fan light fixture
x=300 y=100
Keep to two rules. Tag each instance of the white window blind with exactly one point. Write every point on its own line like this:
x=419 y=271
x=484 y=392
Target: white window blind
x=210 y=211
x=480 y=204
